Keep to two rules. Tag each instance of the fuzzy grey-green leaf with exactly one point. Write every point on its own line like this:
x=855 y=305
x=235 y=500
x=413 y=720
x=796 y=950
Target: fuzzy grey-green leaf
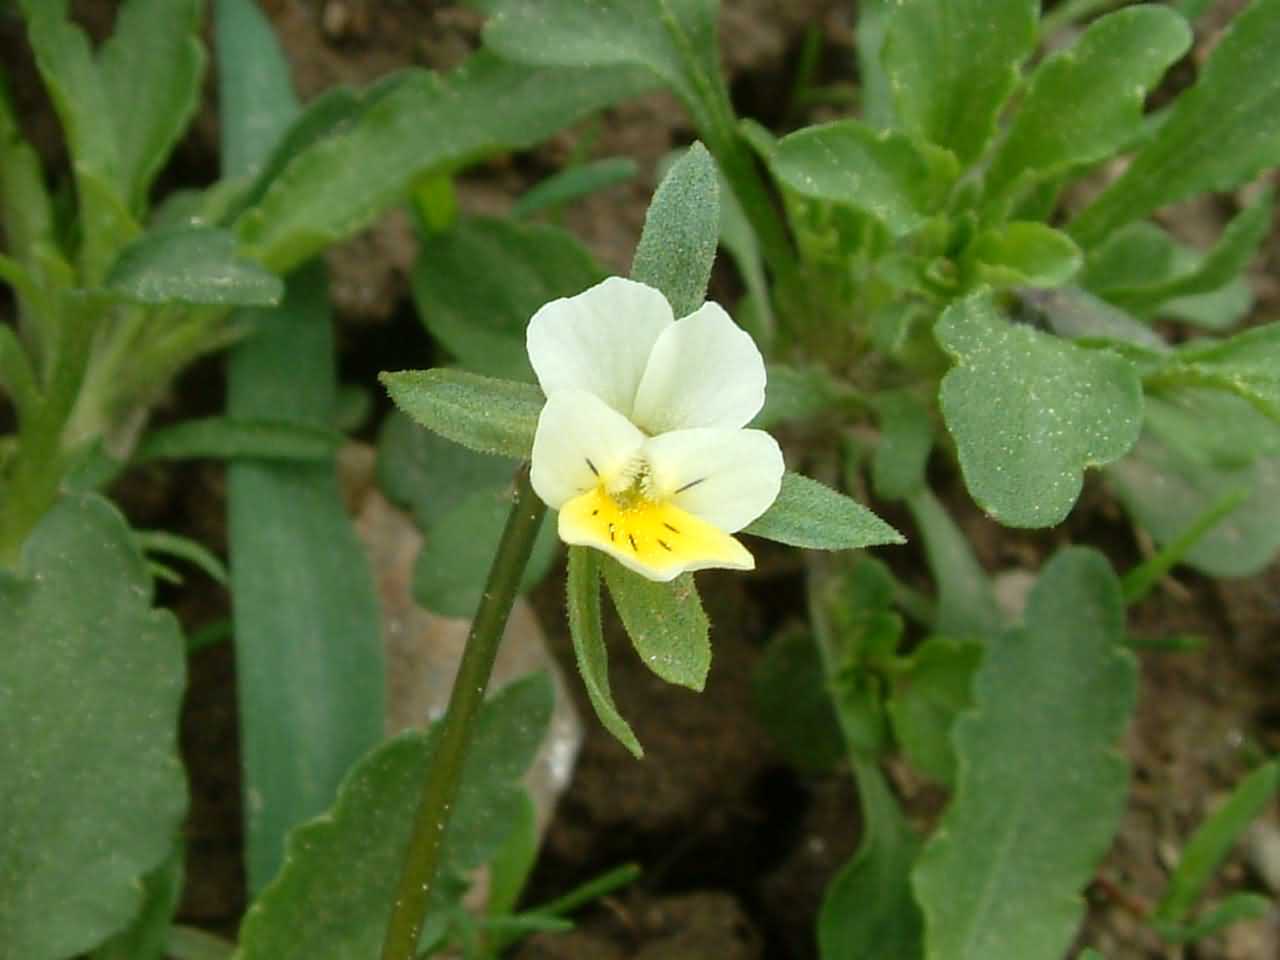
x=195 y=266
x=1001 y=879
x=1220 y=133
x=487 y=415
x=92 y=791
x=810 y=514
x=883 y=173
x=681 y=230
x=1029 y=411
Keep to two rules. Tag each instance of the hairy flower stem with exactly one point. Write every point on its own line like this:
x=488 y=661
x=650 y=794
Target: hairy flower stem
x=444 y=769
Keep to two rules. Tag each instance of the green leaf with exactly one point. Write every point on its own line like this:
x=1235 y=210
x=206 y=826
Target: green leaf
x=1198 y=447
x=673 y=39
x=1213 y=840
x=573 y=183
x=449 y=574
x=333 y=896
x=1219 y=133
x=931 y=688
x=92 y=792
x=812 y=515
x=681 y=230
x=484 y=414
x=794 y=394
x=253 y=87
x=1247 y=365
x=1029 y=412
x=952 y=63
x=144 y=939
x=183 y=548
x=191 y=265
x=665 y=623
x=477 y=285
x=868 y=910
x=1001 y=877
x=429 y=475
x=1024 y=254
x=226 y=438
x=789 y=692
x=1085 y=103
x=1232 y=909
x=1144 y=290
x=966 y=602
x=906 y=438
x=881 y=173
x=17 y=377
x=25 y=208
x=588 y=644
x=422 y=123
x=151 y=68
x=308 y=641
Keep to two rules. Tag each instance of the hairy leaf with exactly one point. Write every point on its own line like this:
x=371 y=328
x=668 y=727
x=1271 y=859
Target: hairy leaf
x=810 y=514
x=487 y=415
x=952 y=63
x=1220 y=133
x=92 y=792
x=1029 y=412
x=1001 y=878
x=193 y=266
x=882 y=173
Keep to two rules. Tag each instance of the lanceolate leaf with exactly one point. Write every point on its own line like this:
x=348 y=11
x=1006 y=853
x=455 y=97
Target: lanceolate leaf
x=487 y=415
x=1085 y=103
x=151 y=68
x=1001 y=878
x=810 y=514
x=952 y=63
x=422 y=123
x=91 y=788
x=1221 y=132
x=308 y=641
x=681 y=230
x=673 y=39
x=1029 y=411
x=882 y=173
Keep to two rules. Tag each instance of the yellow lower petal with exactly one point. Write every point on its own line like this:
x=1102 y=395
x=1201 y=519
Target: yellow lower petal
x=658 y=540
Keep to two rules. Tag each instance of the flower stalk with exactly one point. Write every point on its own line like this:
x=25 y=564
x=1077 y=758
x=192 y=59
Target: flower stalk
x=444 y=770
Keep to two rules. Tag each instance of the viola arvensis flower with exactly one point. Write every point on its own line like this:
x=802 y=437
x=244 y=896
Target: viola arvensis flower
x=641 y=446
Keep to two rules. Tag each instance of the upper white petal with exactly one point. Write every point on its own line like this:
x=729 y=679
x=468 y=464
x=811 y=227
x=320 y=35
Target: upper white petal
x=704 y=371
x=726 y=477
x=598 y=341
x=579 y=440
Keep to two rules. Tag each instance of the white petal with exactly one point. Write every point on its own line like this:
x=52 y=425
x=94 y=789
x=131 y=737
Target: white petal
x=726 y=477
x=580 y=441
x=598 y=341
x=704 y=371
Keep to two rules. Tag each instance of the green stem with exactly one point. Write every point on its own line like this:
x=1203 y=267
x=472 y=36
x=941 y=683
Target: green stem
x=444 y=770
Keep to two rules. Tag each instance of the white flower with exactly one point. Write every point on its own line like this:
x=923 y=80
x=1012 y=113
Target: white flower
x=640 y=445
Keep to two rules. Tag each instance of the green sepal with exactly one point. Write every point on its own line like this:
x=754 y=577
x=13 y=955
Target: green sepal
x=665 y=622
x=583 y=589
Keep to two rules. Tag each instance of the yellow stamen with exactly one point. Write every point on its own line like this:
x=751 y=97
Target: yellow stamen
x=657 y=539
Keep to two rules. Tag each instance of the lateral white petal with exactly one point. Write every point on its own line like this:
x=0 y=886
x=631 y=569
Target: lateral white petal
x=598 y=341
x=704 y=371
x=726 y=477
x=579 y=441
